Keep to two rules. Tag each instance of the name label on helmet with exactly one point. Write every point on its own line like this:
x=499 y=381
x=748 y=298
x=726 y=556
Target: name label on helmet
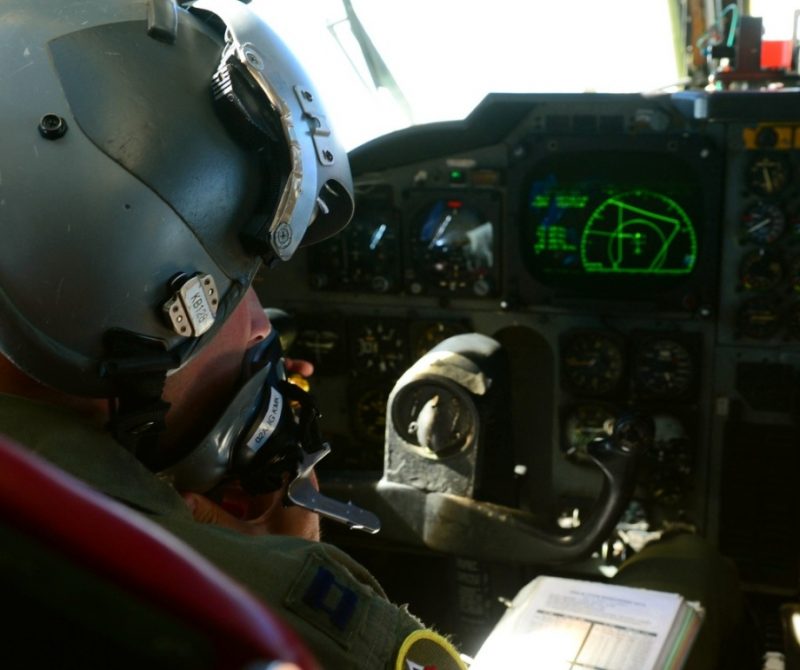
x=199 y=309
x=193 y=308
x=269 y=423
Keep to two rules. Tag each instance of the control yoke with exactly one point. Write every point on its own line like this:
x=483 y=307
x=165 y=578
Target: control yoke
x=439 y=417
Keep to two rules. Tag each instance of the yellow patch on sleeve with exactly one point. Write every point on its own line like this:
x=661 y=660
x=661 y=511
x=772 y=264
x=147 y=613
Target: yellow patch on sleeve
x=426 y=650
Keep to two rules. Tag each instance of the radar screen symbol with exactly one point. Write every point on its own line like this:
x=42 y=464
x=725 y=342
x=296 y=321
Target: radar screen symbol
x=639 y=232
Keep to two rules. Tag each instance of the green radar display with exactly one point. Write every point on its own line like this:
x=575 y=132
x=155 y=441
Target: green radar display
x=638 y=232
x=618 y=225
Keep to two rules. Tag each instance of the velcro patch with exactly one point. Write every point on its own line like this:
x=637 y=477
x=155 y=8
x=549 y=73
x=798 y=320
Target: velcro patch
x=327 y=595
x=426 y=650
x=329 y=599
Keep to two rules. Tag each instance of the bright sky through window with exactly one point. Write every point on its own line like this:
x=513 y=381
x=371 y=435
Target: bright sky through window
x=446 y=55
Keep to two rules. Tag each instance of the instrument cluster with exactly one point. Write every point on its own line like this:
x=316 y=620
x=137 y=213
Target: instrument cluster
x=768 y=279
x=421 y=242
x=627 y=252
x=575 y=230
x=603 y=373
x=646 y=366
x=360 y=357
x=368 y=346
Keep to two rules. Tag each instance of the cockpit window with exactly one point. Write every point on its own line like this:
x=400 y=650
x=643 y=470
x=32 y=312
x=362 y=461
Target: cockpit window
x=382 y=66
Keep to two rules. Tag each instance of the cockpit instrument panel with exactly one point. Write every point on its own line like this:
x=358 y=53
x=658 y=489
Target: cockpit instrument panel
x=627 y=252
x=622 y=222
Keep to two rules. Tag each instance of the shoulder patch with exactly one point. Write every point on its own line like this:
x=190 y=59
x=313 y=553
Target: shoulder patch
x=327 y=595
x=329 y=599
x=426 y=650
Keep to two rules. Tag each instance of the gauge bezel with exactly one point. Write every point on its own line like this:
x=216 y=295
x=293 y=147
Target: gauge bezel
x=332 y=362
x=578 y=453
x=419 y=328
x=775 y=229
x=419 y=278
x=765 y=302
x=770 y=261
x=390 y=360
x=689 y=343
x=616 y=345
x=777 y=159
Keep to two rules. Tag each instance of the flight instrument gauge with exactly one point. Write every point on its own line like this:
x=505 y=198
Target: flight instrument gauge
x=321 y=341
x=582 y=424
x=592 y=362
x=364 y=257
x=769 y=173
x=662 y=367
x=379 y=346
x=762 y=223
x=639 y=232
x=368 y=419
x=425 y=335
x=453 y=247
x=668 y=464
x=759 y=317
x=761 y=270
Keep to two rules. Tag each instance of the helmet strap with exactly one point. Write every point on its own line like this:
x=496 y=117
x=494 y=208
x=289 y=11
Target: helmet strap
x=137 y=367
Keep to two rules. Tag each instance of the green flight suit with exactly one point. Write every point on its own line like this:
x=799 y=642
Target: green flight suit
x=363 y=630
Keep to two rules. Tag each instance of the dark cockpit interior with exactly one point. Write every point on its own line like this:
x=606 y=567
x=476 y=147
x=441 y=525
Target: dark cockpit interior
x=630 y=256
x=561 y=330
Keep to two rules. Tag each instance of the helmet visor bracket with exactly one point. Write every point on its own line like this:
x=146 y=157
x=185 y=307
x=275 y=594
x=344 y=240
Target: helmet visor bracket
x=317 y=187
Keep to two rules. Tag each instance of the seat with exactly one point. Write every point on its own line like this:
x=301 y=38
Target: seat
x=87 y=582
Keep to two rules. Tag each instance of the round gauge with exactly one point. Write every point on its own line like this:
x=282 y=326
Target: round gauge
x=759 y=317
x=453 y=251
x=663 y=368
x=439 y=418
x=320 y=343
x=591 y=362
x=425 y=335
x=639 y=232
x=369 y=414
x=769 y=173
x=582 y=424
x=365 y=256
x=378 y=346
x=793 y=320
x=762 y=223
x=667 y=465
x=761 y=270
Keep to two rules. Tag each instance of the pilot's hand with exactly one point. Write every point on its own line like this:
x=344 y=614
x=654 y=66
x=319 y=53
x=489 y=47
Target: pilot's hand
x=254 y=515
x=298 y=366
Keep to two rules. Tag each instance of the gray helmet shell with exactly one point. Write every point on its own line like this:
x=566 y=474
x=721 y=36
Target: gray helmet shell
x=147 y=182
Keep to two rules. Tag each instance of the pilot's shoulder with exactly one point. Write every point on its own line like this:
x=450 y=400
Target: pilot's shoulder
x=333 y=602
x=332 y=590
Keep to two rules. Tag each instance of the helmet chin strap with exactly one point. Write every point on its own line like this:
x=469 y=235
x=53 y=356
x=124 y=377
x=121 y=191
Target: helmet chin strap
x=268 y=433
x=138 y=368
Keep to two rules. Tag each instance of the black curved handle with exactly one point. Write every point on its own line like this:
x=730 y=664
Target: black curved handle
x=486 y=531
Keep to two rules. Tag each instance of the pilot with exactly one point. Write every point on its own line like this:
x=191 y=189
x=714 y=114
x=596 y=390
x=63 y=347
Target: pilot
x=155 y=158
